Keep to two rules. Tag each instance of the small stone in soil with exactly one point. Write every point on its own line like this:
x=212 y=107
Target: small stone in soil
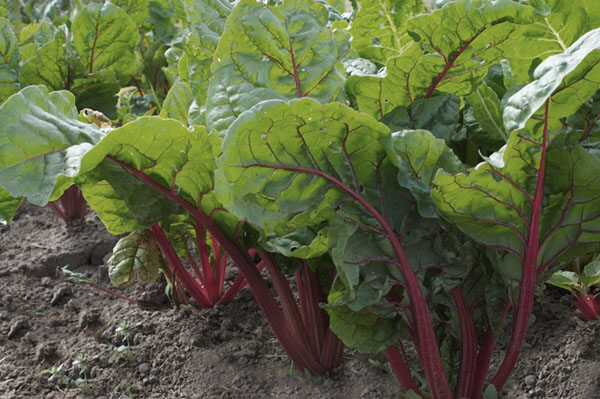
x=144 y=369
x=45 y=350
x=18 y=325
x=530 y=381
x=59 y=294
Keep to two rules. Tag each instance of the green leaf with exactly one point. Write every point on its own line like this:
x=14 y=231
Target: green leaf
x=9 y=61
x=105 y=37
x=379 y=28
x=8 y=206
x=490 y=392
x=440 y=114
x=207 y=22
x=177 y=102
x=41 y=139
x=136 y=9
x=553 y=34
x=271 y=157
x=366 y=332
x=273 y=52
x=110 y=207
x=136 y=257
x=179 y=160
x=564 y=279
x=488 y=112
x=419 y=155
x=457 y=45
x=591 y=274
x=568 y=79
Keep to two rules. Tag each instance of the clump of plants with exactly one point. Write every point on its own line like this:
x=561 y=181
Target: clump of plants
x=418 y=169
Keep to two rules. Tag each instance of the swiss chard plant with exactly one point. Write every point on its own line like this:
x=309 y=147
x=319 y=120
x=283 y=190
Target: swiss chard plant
x=419 y=181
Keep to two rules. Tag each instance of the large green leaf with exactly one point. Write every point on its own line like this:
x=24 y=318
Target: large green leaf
x=207 y=22
x=136 y=257
x=553 y=34
x=8 y=206
x=105 y=37
x=568 y=79
x=499 y=203
x=41 y=141
x=456 y=45
x=487 y=110
x=379 y=28
x=179 y=160
x=273 y=52
x=136 y=9
x=177 y=102
x=419 y=155
x=9 y=61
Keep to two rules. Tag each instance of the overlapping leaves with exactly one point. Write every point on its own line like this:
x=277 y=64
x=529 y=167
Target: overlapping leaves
x=273 y=52
x=455 y=46
x=41 y=143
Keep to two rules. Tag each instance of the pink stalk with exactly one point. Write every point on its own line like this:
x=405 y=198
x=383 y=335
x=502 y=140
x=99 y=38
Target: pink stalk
x=401 y=370
x=468 y=345
x=283 y=330
x=588 y=305
x=529 y=273
x=70 y=206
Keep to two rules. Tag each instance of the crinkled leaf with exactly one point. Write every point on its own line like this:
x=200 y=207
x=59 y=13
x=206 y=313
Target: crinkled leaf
x=457 y=44
x=569 y=79
x=9 y=61
x=564 y=279
x=8 y=206
x=273 y=52
x=366 y=332
x=136 y=9
x=41 y=139
x=379 y=28
x=552 y=34
x=487 y=112
x=110 y=207
x=419 y=155
x=178 y=159
x=136 y=257
x=591 y=273
x=177 y=102
x=105 y=37
x=440 y=114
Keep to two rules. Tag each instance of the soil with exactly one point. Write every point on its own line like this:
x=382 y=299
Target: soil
x=59 y=340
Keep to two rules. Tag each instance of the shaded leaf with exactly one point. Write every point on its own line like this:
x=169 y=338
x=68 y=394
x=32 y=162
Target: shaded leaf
x=8 y=206
x=9 y=61
x=135 y=257
x=41 y=139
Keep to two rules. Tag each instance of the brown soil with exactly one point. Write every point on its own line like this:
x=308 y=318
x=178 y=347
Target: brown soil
x=59 y=340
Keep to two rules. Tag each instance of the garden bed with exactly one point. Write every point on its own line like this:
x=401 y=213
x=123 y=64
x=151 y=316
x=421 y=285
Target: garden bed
x=226 y=352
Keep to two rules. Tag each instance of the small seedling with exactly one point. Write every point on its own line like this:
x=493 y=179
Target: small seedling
x=580 y=285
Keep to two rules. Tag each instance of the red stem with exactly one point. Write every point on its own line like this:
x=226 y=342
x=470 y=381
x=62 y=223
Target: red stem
x=191 y=286
x=529 y=273
x=401 y=370
x=283 y=330
x=468 y=345
x=426 y=340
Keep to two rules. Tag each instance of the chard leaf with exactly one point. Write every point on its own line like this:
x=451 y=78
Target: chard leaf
x=105 y=37
x=536 y=199
x=568 y=79
x=379 y=28
x=136 y=9
x=8 y=206
x=439 y=114
x=9 y=62
x=110 y=207
x=136 y=257
x=41 y=143
x=419 y=155
x=565 y=280
x=273 y=52
x=298 y=166
x=177 y=102
x=164 y=153
x=368 y=332
x=553 y=34
x=488 y=112
x=457 y=44
x=591 y=274
x=207 y=21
